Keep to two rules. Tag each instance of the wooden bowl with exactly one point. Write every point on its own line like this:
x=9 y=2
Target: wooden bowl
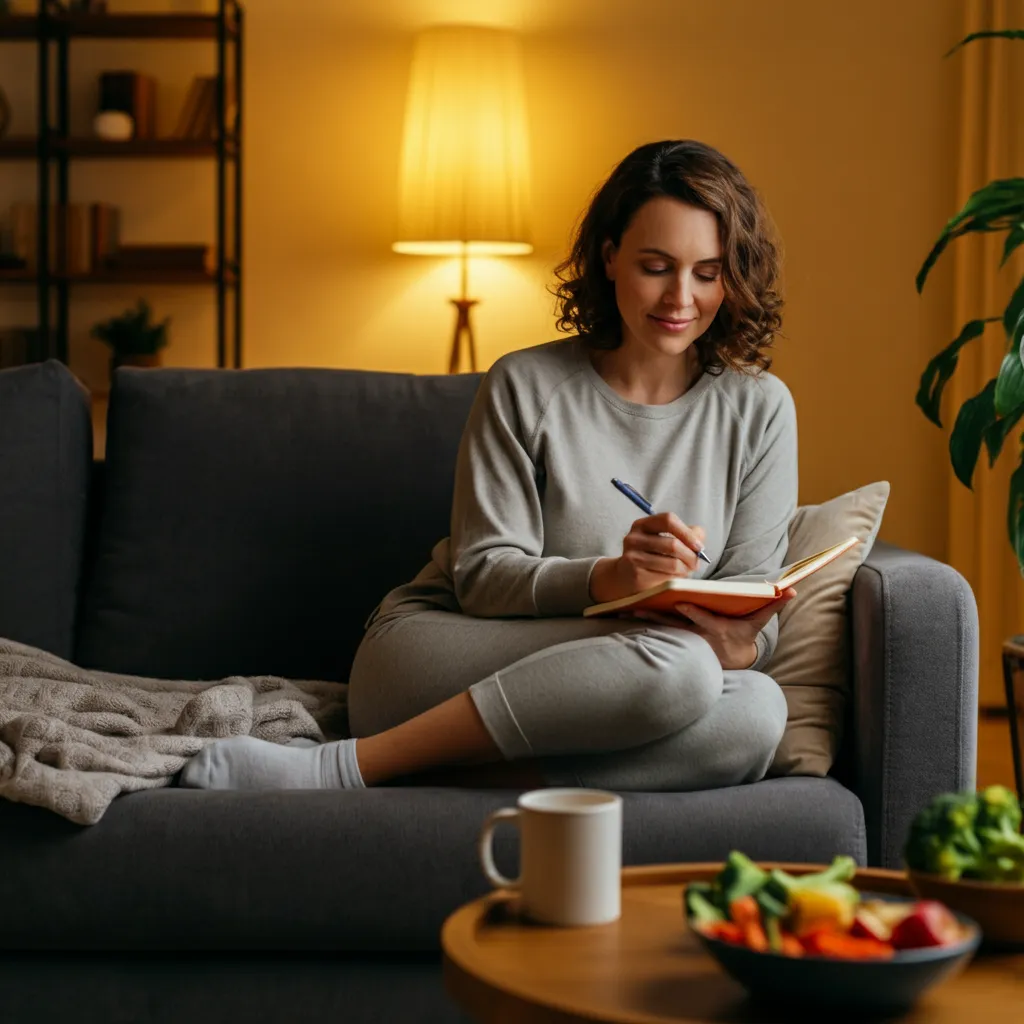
x=998 y=907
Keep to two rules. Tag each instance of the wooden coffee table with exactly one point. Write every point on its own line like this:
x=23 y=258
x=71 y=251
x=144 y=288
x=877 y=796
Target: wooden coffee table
x=648 y=968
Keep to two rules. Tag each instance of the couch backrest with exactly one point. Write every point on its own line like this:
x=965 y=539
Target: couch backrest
x=45 y=454
x=252 y=519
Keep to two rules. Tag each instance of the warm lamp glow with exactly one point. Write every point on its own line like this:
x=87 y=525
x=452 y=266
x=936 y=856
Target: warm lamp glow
x=457 y=248
x=464 y=178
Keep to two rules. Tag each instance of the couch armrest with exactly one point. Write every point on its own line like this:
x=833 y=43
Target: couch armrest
x=915 y=690
x=45 y=455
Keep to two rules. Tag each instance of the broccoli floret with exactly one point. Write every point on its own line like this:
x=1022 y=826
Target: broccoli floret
x=833 y=879
x=998 y=808
x=699 y=906
x=942 y=839
x=740 y=877
x=998 y=829
x=769 y=905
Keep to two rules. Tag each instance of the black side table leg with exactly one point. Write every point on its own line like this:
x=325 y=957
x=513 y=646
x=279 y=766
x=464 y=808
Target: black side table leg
x=1013 y=663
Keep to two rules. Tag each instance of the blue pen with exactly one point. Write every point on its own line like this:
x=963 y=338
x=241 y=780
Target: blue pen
x=641 y=502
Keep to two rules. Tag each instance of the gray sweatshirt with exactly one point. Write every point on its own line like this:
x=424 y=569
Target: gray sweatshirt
x=534 y=507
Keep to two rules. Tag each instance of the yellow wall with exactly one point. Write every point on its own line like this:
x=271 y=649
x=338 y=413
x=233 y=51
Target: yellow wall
x=843 y=115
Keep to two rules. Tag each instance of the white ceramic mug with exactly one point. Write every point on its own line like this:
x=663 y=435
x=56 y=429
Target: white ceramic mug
x=570 y=855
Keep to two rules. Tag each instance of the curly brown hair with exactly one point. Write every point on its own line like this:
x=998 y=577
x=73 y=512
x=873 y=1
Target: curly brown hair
x=749 y=318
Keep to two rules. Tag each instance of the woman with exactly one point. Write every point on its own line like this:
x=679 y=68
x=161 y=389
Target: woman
x=484 y=659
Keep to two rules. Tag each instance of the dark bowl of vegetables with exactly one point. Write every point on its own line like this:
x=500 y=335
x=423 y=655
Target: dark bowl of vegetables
x=966 y=849
x=815 y=939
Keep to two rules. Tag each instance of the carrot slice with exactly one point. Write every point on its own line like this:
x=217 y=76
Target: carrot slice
x=727 y=931
x=746 y=913
x=827 y=942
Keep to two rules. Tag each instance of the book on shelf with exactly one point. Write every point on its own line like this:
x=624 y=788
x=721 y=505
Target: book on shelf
x=134 y=94
x=104 y=234
x=188 y=109
x=68 y=237
x=733 y=595
x=185 y=257
x=198 y=116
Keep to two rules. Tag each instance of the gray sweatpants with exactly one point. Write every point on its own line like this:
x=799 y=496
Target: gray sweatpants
x=602 y=703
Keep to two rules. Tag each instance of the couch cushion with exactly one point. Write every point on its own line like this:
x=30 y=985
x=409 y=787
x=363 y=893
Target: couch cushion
x=812 y=658
x=253 y=518
x=358 y=870
x=45 y=460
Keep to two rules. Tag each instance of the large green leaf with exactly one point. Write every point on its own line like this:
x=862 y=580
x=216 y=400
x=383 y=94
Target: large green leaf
x=996 y=206
x=1013 y=240
x=1004 y=33
x=1009 y=384
x=937 y=373
x=1015 y=513
x=997 y=433
x=976 y=415
x=1012 y=313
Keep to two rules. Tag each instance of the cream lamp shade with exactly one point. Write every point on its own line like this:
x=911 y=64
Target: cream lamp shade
x=464 y=174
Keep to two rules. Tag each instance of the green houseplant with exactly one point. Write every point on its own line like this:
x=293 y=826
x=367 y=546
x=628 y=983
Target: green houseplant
x=133 y=338
x=990 y=416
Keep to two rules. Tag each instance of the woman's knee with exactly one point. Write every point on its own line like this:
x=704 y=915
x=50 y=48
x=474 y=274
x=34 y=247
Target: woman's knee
x=374 y=701
x=680 y=683
x=763 y=722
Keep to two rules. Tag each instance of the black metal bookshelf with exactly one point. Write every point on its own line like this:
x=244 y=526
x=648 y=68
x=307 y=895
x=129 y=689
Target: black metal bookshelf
x=53 y=148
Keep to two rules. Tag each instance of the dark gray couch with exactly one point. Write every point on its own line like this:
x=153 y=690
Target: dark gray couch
x=246 y=522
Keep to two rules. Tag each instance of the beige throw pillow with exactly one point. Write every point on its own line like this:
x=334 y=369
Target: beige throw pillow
x=811 y=661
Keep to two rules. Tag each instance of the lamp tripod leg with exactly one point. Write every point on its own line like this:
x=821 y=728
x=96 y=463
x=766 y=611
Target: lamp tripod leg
x=462 y=325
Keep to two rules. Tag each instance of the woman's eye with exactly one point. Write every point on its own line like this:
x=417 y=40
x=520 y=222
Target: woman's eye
x=651 y=269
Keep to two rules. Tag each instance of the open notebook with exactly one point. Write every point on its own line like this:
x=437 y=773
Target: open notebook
x=733 y=595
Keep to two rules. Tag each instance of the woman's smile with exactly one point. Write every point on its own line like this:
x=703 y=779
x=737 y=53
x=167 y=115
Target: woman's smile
x=670 y=324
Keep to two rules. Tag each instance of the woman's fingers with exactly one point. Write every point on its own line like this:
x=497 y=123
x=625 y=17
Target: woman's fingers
x=663 y=545
x=692 y=537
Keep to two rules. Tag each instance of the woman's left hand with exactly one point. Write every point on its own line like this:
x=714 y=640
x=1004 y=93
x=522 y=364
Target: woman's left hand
x=732 y=639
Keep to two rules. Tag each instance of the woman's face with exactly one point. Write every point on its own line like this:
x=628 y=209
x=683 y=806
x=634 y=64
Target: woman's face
x=667 y=274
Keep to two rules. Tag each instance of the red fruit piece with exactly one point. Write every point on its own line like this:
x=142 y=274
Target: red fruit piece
x=930 y=923
x=868 y=925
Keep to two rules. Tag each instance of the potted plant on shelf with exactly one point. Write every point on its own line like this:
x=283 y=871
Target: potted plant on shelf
x=133 y=339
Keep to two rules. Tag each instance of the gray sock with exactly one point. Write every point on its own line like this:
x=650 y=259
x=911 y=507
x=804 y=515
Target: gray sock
x=244 y=762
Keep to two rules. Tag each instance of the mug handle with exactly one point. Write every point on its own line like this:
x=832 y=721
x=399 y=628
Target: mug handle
x=485 y=848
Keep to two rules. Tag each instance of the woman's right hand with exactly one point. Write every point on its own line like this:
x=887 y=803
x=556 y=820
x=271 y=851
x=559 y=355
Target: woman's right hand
x=656 y=548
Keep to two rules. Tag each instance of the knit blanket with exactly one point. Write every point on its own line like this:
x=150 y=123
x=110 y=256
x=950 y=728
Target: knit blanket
x=72 y=739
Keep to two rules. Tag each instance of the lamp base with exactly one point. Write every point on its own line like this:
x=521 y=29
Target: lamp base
x=462 y=327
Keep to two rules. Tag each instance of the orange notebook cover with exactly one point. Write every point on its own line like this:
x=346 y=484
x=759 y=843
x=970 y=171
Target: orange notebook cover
x=733 y=595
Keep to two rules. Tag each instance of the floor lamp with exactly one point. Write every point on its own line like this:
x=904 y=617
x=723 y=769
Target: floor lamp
x=464 y=175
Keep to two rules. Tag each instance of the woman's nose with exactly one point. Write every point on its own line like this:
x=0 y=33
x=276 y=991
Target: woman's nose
x=679 y=292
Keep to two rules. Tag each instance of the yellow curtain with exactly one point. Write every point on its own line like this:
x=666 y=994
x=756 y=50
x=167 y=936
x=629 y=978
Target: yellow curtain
x=991 y=146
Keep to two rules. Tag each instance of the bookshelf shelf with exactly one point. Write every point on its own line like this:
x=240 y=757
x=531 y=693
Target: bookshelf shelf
x=18 y=26
x=169 y=277
x=18 y=147
x=14 y=27
x=8 y=276
x=27 y=148
x=53 y=149
x=140 y=26
x=159 y=277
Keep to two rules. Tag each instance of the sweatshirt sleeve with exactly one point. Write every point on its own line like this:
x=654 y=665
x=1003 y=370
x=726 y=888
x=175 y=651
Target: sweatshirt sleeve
x=497 y=527
x=759 y=536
